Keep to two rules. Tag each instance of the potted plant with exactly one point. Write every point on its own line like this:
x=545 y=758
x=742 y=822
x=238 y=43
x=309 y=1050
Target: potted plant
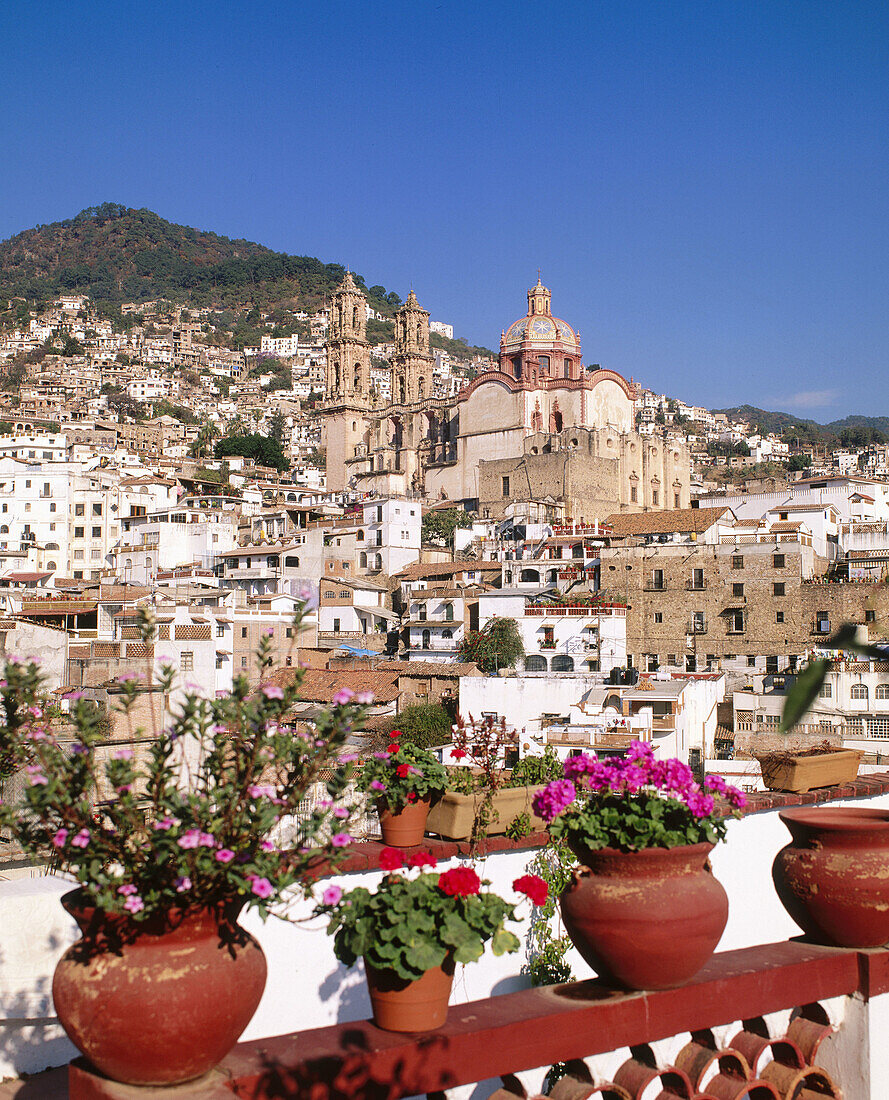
x=486 y=798
x=645 y=912
x=165 y=851
x=412 y=931
x=403 y=781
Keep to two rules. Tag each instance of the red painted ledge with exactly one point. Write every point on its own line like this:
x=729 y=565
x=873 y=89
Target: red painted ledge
x=521 y=1031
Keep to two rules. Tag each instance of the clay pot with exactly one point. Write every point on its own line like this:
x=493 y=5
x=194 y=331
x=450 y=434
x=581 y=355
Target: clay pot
x=403 y=1005
x=161 y=1001
x=404 y=828
x=645 y=920
x=832 y=876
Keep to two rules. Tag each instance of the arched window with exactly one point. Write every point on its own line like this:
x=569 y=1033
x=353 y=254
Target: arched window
x=449 y=612
x=552 y=576
x=529 y=575
x=51 y=565
x=535 y=663
x=272 y=561
x=577 y=551
x=291 y=563
x=362 y=561
x=447 y=634
x=882 y=691
x=426 y=639
x=378 y=564
x=517 y=367
x=543 y=362
x=4 y=530
x=859 y=691
x=563 y=663
x=52 y=546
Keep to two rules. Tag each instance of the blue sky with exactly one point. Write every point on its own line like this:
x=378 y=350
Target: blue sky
x=703 y=185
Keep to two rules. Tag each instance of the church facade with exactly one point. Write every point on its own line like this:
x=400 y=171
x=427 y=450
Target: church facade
x=539 y=436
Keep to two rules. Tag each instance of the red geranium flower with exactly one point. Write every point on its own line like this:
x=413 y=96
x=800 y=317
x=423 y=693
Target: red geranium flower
x=533 y=887
x=394 y=734
x=403 y=771
x=412 y=797
x=458 y=754
x=459 y=882
x=394 y=747
x=421 y=859
x=391 y=859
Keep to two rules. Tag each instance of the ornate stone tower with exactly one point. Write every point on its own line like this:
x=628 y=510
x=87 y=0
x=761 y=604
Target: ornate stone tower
x=412 y=362
x=348 y=354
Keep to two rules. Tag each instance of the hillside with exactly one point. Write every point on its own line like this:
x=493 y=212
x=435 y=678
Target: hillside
x=116 y=254
x=856 y=428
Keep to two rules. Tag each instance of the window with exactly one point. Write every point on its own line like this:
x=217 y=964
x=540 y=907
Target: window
x=97 y=509
x=535 y=663
x=675 y=500
x=243 y=662
x=878 y=727
x=778 y=588
x=243 y=631
x=96 y=532
x=737 y=561
x=882 y=691
x=79 y=509
x=634 y=494
x=78 y=555
x=870 y=616
x=505 y=487
x=562 y=663
x=52 y=507
x=657 y=579
x=654 y=497
x=737 y=590
x=736 y=622
x=751 y=662
x=697 y=578
x=779 y=616
x=187 y=661
x=859 y=691
x=826 y=691
x=778 y=561
x=220 y=630
x=78 y=574
x=336 y=626
x=95 y=555
x=28 y=483
x=658 y=616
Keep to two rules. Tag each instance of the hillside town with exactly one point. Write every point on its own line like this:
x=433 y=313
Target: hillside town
x=667 y=569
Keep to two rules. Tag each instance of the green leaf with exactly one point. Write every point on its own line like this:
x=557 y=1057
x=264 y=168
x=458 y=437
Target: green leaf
x=504 y=942
x=424 y=956
x=803 y=693
x=470 y=949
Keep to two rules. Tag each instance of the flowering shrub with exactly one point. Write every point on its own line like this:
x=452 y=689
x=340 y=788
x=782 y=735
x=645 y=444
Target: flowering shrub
x=633 y=803
x=401 y=774
x=191 y=825
x=410 y=925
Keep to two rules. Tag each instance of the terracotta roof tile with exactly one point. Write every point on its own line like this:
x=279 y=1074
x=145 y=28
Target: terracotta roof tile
x=674 y=521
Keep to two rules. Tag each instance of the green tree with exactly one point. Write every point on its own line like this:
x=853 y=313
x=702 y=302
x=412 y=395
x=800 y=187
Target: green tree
x=498 y=645
x=259 y=448
x=278 y=428
x=439 y=525
x=426 y=725
x=72 y=347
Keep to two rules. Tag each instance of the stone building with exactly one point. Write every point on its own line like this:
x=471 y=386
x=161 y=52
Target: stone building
x=538 y=428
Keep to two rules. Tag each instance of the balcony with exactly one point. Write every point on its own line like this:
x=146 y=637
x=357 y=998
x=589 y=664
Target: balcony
x=768 y=1017
x=696 y=586
x=574 y=611
x=655 y=586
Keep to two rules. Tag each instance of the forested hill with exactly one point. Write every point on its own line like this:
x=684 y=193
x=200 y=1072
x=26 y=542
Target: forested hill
x=851 y=429
x=116 y=254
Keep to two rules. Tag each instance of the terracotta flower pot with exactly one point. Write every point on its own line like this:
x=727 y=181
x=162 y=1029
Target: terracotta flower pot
x=645 y=920
x=403 y=1005
x=162 y=1001
x=831 y=878
x=804 y=773
x=405 y=827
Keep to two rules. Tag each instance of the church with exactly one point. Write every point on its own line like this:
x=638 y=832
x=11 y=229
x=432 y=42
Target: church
x=540 y=437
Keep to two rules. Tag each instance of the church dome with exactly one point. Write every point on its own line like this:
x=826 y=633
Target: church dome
x=539 y=327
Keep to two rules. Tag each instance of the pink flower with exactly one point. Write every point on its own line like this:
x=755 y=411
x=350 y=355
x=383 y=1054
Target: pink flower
x=183 y=883
x=364 y=698
x=134 y=904
x=127 y=889
x=82 y=839
x=343 y=697
x=267 y=846
x=225 y=855
x=272 y=691
x=60 y=838
x=348 y=758
x=257 y=791
x=340 y=840
x=122 y=754
x=341 y=812
x=125 y=677
x=331 y=895
x=164 y=824
x=190 y=839
x=262 y=888
x=207 y=840
x=554 y=798
x=35 y=776
x=376 y=785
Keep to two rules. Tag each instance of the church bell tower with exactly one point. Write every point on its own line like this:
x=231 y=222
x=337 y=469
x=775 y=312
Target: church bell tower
x=348 y=353
x=412 y=361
